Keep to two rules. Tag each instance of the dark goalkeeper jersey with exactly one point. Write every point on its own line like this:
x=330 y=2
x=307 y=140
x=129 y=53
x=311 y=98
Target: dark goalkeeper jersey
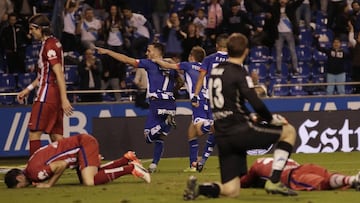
x=230 y=87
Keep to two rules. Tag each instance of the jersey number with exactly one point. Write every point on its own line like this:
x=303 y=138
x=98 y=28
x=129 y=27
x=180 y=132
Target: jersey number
x=216 y=96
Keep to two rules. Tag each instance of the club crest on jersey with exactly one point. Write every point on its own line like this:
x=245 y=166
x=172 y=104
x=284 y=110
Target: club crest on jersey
x=42 y=175
x=51 y=54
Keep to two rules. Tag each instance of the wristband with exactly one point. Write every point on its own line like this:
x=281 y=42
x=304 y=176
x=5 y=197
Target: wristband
x=30 y=87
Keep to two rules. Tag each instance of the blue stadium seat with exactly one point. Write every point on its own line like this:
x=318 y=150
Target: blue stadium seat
x=319 y=90
x=286 y=57
x=305 y=37
x=259 y=19
x=319 y=57
x=318 y=70
x=284 y=70
x=71 y=75
x=321 y=20
x=24 y=79
x=303 y=69
x=260 y=68
x=7 y=84
x=259 y=54
x=278 y=91
x=304 y=53
x=298 y=90
x=328 y=33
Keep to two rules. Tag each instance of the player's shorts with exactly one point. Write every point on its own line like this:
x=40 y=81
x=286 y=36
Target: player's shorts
x=202 y=112
x=46 y=117
x=309 y=177
x=158 y=112
x=89 y=151
x=233 y=145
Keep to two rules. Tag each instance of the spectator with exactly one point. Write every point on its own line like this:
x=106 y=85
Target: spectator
x=137 y=26
x=141 y=81
x=355 y=53
x=192 y=39
x=334 y=10
x=69 y=39
x=286 y=29
x=335 y=68
x=340 y=25
x=201 y=22
x=355 y=16
x=173 y=35
x=114 y=71
x=6 y=7
x=14 y=40
x=89 y=28
x=238 y=21
x=159 y=14
x=215 y=18
x=186 y=16
x=90 y=69
x=304 y=12
x=259 y=88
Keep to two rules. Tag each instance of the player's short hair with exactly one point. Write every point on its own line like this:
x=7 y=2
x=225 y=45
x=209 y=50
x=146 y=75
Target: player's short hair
x=42 y=22
x=198 y=53
x=221 y=40
x=159 y=46
x=236 y=45
x=10 y=177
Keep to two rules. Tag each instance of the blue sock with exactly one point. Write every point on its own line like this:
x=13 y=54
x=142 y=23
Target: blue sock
x=209 y=147
x=194 y=148
x=165 y=128
x=158 y=150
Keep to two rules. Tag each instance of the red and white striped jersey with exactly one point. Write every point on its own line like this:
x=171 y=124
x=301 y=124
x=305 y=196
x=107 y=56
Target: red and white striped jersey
x=50 y=54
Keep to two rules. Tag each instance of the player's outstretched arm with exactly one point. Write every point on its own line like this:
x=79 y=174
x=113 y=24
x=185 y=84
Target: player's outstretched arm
x=166 y=64
x=120 y=57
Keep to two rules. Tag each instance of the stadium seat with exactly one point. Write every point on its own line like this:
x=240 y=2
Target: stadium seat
x=260 y=68
x=303 y=69
x=259 y=54
x=71 y=75
x=319 y=57
x=305 y=37
x=7 y=84
x=286 y=57
x=318 y=70
x=324 y=33
x=321 y=20
x=298 y=90
x=24 y=79
x=320 y=89
x=304 y=53
x=284 y=70
x=259 y=19
x=278 y=91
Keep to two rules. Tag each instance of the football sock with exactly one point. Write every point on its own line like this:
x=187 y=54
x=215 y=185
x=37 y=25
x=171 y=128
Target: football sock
x=115 y=164
x=211 y=190
x=158 y=150
x=34 y=145
x=194 y=148
x=281 y=155
x=209 y=147
x=108 y=175
x=165 y=128
x=339 y=180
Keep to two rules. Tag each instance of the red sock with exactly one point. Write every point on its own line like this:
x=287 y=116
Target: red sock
x=115 y=164
x=34 y=145
x=108 y=175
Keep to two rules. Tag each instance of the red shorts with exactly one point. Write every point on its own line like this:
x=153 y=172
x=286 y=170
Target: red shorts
x=47 y=117
x=310 y=177
x=89 y=152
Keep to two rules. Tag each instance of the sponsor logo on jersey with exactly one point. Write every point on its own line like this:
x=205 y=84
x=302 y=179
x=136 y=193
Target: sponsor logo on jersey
x=51 y=54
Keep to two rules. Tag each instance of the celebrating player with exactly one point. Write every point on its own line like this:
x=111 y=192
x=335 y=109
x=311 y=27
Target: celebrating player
x=49 y=163
x=161 y=83
x=229 y=87
x=51 y=101
x=202 y=120
x=208 y=63
x=298 y=176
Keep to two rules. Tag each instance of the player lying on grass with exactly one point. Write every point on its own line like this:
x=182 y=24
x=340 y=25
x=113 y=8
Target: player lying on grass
x=299 y=176
x=47 y=164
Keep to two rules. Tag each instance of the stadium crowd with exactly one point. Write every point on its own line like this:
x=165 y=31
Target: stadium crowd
x=317 y=33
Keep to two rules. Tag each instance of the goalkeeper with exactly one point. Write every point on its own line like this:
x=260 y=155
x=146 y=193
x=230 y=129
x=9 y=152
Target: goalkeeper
x=236 y=132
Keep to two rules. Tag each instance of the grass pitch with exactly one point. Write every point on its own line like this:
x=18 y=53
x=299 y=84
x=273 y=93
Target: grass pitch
x=169 y=182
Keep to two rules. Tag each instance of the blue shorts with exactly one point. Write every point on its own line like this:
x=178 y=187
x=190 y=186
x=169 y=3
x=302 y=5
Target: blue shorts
x=158 y=111
x=202 y=113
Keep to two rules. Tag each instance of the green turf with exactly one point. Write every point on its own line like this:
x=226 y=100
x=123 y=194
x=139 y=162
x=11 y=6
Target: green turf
x=168 y=184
